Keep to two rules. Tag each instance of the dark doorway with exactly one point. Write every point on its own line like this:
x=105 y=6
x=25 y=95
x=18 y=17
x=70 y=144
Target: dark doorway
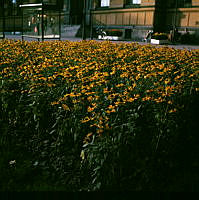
x=160 y=16
x=128 y=33
x=76 y=11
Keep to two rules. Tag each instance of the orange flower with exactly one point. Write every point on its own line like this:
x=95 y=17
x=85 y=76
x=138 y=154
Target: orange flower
x=173 y=110
x=86 y=119
x=54 y=103
x=65 y=107
x=147 y=98
x=131 y=100
x=90 y=109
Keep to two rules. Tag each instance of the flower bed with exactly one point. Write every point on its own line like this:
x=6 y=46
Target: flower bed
x=159 y=38
x=97 y=106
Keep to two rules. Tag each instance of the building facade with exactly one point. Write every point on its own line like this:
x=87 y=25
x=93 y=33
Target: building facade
x=134 y=17
x=10 y=15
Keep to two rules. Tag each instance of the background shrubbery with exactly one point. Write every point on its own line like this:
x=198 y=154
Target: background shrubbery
x=84 y=116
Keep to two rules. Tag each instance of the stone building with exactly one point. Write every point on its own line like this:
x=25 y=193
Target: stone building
x=136 y=17
x=133 y=17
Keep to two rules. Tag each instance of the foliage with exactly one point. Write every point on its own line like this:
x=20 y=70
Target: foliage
x=97 y=115
x=114 y=32
x=160 y=36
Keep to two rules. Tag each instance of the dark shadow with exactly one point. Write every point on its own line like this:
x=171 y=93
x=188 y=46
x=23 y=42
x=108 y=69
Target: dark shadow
x=163 y=20
x=160 y=16
x=76 y=12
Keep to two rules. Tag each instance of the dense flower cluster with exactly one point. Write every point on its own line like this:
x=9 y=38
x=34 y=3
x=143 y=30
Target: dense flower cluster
x=99 y=78
x=160 y=36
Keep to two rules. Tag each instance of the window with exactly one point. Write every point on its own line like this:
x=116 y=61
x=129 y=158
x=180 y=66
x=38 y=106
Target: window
x=184 y=3
x=105 y=3
x=136 y=1
x=133 y=2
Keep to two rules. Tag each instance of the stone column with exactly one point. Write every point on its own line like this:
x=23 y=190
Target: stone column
x=66 y=12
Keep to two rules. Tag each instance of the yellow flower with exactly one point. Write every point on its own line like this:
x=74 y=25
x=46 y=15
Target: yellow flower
x=136 y=96
x=138 y=76
x=170 y=102
x=43 y=78
x=110 y=107
x=72 y=95
x=99 y=131
x=89 y=134
x=120 y=85
x=86 y=119
x=173 y=110
x=105 y=74
x=167 y=81
x=90 y=109
x=82 y=155
x=54 y=103
x=51 y=84
x=125 y=74
x=106 y=90
x=158 y=100
x=147 y=98
x=130 y=100
x=130 y=88
x=89 y=98
x=65 y=107
x=87 y=138
x=107 y=126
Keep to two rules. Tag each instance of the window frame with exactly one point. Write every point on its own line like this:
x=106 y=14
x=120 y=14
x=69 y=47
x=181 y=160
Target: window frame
x=106 y=2
x=184 y=3
x=130 y=3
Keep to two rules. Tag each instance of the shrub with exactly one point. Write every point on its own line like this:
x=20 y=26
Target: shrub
x=114 y=32
x=159 y=36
